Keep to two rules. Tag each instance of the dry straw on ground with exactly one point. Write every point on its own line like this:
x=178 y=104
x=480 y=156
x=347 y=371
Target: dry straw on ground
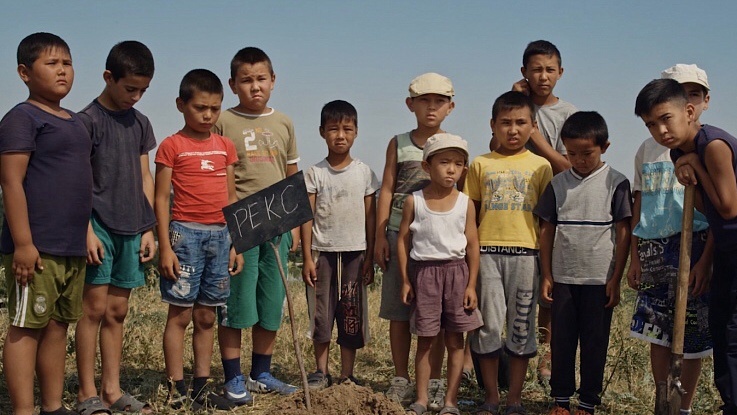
x=629 y=386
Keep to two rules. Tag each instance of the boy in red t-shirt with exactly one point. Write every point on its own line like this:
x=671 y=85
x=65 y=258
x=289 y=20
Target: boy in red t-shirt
x=196 y=258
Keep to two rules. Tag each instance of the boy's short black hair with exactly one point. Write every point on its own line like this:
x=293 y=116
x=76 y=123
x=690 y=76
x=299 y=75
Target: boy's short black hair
x=250 y=55
x=32 y=45
x=659 y=91
x=338 y=110
x=512 y=100
x=199 y=80
x=540 y=47
x=586 y=124
x=130 y=57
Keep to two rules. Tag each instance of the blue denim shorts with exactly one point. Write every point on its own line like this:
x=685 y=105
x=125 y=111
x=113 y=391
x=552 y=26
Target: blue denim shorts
x=203 y=253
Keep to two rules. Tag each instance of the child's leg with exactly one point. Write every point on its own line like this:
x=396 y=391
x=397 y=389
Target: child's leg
x=322 y=352
x=229 y=340
x=422 y=368
x=111 y=342
x=489 y=372
x=467 y=360
x=544 y=327
x=454 y=343
x=517 y=372
x=437 y=356
x=659 y=362
x=19 y=363
x=94 y=303
x=563 y=344
x=400 y=340
x=176 y=323
x=395 y=311
x=203 y=338
x=690 y=372
x=347 y=361
x=50 y=362
x=594 y=321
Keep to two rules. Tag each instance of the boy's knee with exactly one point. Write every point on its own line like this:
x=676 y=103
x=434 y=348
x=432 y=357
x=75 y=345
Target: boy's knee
x=204 y=318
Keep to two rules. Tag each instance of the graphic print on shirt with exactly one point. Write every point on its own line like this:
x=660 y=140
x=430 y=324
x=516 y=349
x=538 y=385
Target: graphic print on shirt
x=260 y=146
x=507 y=190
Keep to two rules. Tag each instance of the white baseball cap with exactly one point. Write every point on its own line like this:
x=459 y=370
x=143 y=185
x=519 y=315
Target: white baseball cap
x=431 y=83
x=444 y=141
x=686 y=73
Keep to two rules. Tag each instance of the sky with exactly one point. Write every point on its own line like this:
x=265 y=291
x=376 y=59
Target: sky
x=368 y=52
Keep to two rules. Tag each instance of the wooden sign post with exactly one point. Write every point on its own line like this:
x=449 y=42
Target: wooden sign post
x=263 y=216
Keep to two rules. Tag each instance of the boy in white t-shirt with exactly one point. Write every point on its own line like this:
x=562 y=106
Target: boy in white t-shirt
x=337 y=244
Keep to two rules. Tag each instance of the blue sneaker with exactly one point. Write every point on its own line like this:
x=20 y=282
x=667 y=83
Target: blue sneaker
x=236 y=392
x=267 y=383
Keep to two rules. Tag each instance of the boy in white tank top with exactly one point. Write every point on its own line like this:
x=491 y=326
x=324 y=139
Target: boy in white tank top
x=440 y=265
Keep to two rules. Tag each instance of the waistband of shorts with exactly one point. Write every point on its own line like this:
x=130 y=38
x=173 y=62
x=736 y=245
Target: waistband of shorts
x=436 y=263
x=508 y=250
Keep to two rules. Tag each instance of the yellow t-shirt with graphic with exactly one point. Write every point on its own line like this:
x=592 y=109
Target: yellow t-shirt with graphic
x=507 y=188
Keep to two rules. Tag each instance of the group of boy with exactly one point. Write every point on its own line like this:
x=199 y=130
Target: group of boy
x=77 y=258
x=454 y=261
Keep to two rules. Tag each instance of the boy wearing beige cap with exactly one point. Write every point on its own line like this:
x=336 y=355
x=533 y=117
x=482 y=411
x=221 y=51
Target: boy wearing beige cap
x=430 y=99
x=656 y=234
x=438 y=252
x=505 y=186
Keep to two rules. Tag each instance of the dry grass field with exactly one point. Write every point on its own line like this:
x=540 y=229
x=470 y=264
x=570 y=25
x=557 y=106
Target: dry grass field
x=628 y=386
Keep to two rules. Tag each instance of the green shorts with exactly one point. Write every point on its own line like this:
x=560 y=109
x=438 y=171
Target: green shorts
x=121 y=264
x=54 y=293
x=257 y=292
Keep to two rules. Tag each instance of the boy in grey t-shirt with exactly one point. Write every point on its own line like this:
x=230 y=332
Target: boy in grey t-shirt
x=590 y=202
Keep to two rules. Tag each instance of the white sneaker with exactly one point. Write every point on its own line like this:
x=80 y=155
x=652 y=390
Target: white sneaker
x=401 y=390
x=436 y=395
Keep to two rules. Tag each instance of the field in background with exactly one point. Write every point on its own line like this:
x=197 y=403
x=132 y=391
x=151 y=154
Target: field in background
x=629 y=387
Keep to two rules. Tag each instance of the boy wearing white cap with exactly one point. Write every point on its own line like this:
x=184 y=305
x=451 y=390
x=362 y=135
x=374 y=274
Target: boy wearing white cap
x=431 y=100
x=505 y=186
x=438 y=257
x=656 y=235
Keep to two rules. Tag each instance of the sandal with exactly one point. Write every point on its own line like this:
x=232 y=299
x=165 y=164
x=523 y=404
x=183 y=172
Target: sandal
x=129 y=404
x=417 y=409
x=449 y=410
x=92 y=406
x=517 y=409
x=488 y=409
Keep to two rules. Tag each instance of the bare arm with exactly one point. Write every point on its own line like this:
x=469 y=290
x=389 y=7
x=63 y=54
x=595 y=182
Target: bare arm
x=547 y=236
x=309 y=270
x=383 y=207
x=470 y=301
x=558 y=161
x=369 y=203
x=403 y=248
x=700 y=276
x=235 y=262
x=148 y=243
x=26 y=259
x=168 y=262
x=293 y=169
x=635 y=271
x=622 y=243
x=719 y=182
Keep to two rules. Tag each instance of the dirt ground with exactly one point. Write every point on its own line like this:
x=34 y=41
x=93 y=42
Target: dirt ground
x=340 y=400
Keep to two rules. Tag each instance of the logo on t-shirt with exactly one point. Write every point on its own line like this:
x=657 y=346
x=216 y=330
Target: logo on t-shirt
x=207 y=165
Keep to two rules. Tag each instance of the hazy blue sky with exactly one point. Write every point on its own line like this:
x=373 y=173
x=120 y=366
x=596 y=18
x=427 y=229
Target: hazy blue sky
x=367 y=53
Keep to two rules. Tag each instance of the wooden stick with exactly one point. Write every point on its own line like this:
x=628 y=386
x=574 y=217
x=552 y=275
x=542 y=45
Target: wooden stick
x=675 y=391
x=297 y=350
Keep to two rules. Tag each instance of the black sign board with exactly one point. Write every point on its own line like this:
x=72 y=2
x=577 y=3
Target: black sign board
x=268 y=213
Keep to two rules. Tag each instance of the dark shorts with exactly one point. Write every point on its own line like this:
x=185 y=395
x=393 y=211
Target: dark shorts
x=440 y=288
x=655 y=305
x=339 y=295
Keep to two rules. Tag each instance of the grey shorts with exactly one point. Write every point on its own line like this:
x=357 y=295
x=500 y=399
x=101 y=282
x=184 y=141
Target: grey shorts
x=392 y=308
x=507 y=291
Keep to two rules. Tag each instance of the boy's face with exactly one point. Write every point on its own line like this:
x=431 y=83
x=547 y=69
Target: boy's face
x=672 y=124
x=542 y=73
x=253 y=85
x=124 y=93
x=697 y=97
x=445 y=167
x=200 y=113
x=512 y=128
x=339 y=135
x=584 y=154
x=51 y=75
x=430 y=109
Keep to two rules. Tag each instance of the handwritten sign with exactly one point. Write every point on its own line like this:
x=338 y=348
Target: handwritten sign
x=268 y=213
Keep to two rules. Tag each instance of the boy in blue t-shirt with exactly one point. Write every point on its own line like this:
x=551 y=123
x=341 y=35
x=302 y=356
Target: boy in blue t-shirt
x=47 y=191
x=671 y=119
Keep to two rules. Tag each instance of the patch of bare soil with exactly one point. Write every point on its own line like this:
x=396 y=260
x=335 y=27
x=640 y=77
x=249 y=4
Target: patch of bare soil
x=340 y=400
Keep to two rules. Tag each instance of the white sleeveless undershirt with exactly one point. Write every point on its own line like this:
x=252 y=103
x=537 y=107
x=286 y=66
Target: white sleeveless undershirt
x=438 y=236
